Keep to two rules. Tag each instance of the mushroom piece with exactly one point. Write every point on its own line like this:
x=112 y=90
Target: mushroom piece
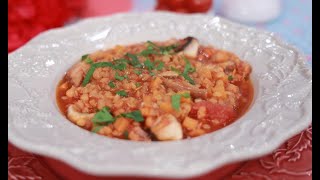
x=77 y=73
x=78 y=117
x=183 y=86
x=138 y=134
x=167 y=127
x=189 y=46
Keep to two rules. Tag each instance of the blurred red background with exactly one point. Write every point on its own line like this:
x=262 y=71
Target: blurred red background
x=27 y=18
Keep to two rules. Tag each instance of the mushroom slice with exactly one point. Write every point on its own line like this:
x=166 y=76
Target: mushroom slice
x=167 y=127
x=77 y=73
x=183 y=86
x=189 y=46
x=78 y=117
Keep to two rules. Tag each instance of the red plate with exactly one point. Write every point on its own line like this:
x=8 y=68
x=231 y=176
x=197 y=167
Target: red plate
x=292 y=160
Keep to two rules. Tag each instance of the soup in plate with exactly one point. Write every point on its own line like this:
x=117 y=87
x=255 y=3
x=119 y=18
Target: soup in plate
x=156 y=91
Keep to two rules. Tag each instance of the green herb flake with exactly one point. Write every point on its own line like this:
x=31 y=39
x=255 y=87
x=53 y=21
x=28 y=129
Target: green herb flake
x=96 y=129
x=84 y=57
x=120 y=66
x=152 y=73
x=186 y=95
x=88 y=61
x=118 y=77
x=93 y=67
x=150 y=49
x=88 y=75
x=175 y=70
x=160 y=65
x=103 y=116
x=137 y=72
x=137 y=84
x=148 y=64
x=117 y=61
x=188 y=78
x=188 y=69
x=111 y=84
x=135 y=115
x=134 y=60
x=147 y=52
x=175 y=101
x=151 y=44
x=166 y=50
x=122 y=93
x=230 y=78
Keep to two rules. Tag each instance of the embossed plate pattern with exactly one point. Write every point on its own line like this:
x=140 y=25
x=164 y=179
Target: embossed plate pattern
x=281 y=107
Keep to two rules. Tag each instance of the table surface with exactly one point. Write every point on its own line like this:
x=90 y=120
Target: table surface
x=290 y=161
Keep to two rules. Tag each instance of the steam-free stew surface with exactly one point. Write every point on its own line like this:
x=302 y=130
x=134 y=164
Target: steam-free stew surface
x=156 y=91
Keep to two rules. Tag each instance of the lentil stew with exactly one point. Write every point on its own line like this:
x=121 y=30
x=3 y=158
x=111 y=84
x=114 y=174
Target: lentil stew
x=156 y=91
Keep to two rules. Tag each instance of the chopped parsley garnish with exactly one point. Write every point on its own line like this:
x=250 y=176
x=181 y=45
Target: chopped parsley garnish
x=84 y=57
x=151 y=44
x=230 y=78
x=122 y=93
x=188 y=69
x=148 y=64
x=111 y=84
x=176 y=98
x=88 y=61
x=188 y=78
x=175 y=101
x=148 y=51
x=135 y=115
x=97 y=128
x=186 y=95
x=134 y=60
x=120 y=78
x=175 y=70
x=117 y=61
x=92 y=69
x=160 y=65
x=152 y=73
x=102 y=64
x=137 y=84
x=88 y=75
x=155 y=49
x=137 y=72
x=120 y=66
x=165 y=50
x=103 y=116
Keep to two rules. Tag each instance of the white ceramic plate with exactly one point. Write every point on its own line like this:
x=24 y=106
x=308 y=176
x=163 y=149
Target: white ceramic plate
x=281 y=106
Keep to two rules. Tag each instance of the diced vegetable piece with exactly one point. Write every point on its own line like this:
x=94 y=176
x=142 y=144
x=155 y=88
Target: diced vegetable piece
x=166 y=107
x=190 y=123
x=196 y=132
x=121 y=124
